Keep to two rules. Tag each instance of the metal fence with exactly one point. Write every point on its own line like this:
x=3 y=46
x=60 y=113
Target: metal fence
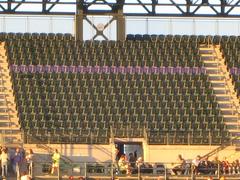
x=108 y=170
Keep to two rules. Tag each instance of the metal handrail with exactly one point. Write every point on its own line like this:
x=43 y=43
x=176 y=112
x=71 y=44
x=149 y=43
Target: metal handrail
x=153 y=170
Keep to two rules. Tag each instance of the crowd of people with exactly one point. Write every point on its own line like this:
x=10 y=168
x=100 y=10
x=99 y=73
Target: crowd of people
x=131 y=164
x=202 y=165
x=17 y=162
x=20 y=163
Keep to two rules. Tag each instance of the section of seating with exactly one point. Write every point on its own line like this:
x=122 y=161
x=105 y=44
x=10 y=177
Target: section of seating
x=46 y=50
x=174 y=38
x=230 y=47
x=72 y=106
x=90 y=107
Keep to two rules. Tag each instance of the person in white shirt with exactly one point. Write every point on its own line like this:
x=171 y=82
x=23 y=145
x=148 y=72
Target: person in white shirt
x=29 y=159
x=195 y=163
x=4 y=157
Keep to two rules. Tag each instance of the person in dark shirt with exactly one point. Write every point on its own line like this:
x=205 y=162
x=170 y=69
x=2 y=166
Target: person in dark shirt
x=117 y=157
x=117 y=154
x=180 y=168
x=132 y=160
x=16 y=160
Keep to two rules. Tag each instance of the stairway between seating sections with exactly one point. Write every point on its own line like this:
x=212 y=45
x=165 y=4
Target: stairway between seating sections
x=10 y=134
x=221 y=82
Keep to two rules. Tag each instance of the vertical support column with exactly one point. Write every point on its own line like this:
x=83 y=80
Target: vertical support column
x=79 y=27
x=120 y=25
x=79 y=21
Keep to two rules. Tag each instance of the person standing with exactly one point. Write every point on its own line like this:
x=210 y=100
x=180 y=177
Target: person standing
x=16 y=160
x=117 y=157
x=117 y=154
x=4 y=162
x=55 y=161
x=29 y=159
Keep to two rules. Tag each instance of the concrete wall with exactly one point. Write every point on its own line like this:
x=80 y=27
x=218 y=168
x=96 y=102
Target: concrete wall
x=155 y=153
x=152 y=153
x=79 y=153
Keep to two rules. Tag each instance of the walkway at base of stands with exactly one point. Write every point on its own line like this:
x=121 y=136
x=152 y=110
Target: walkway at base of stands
x=136 y=178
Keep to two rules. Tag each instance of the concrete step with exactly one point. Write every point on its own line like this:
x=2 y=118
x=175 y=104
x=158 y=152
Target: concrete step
x=3 y=110
x=220 y=88
x=212 y=71
x=209 y=58
x=216 y=78
x=206 y=50
x=13 y=142
x=7 y=124
x=210 y=65
x=236 y=134
x=206 y=53
x=3 y=113
x=220 y=91
x=228 y=111
x=232 y=123
x=218 y=84
x=210 y=61
x=225 y=105
x=231 y=127
x=5 y=121
x=231 y=120
x=10 y=131
x=236 y=142
x=227 y=118
x=218 y=81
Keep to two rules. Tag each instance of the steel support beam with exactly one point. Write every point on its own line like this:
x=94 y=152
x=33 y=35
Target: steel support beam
x=117 y=15
x=79 y=26
x=120 y=26
x=79 y=21
x=187 y=8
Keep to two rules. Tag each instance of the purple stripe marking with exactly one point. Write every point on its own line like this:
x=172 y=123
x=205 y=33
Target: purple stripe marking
x=110 y=69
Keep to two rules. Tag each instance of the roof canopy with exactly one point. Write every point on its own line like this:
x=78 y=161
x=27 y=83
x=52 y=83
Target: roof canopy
x=167 y=8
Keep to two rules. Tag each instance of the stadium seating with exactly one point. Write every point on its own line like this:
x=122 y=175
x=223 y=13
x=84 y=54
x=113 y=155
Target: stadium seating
x=90 y=107
x=230 y=47
x=56 y=51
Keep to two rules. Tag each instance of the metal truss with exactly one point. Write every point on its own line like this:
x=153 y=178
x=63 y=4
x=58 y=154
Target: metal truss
x=165 y=8
x=99 y=32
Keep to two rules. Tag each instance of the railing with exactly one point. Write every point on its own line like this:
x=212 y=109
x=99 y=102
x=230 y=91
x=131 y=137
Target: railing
x=65 y=159
x=109 y=170
x=50 y=150
x=166 y=138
